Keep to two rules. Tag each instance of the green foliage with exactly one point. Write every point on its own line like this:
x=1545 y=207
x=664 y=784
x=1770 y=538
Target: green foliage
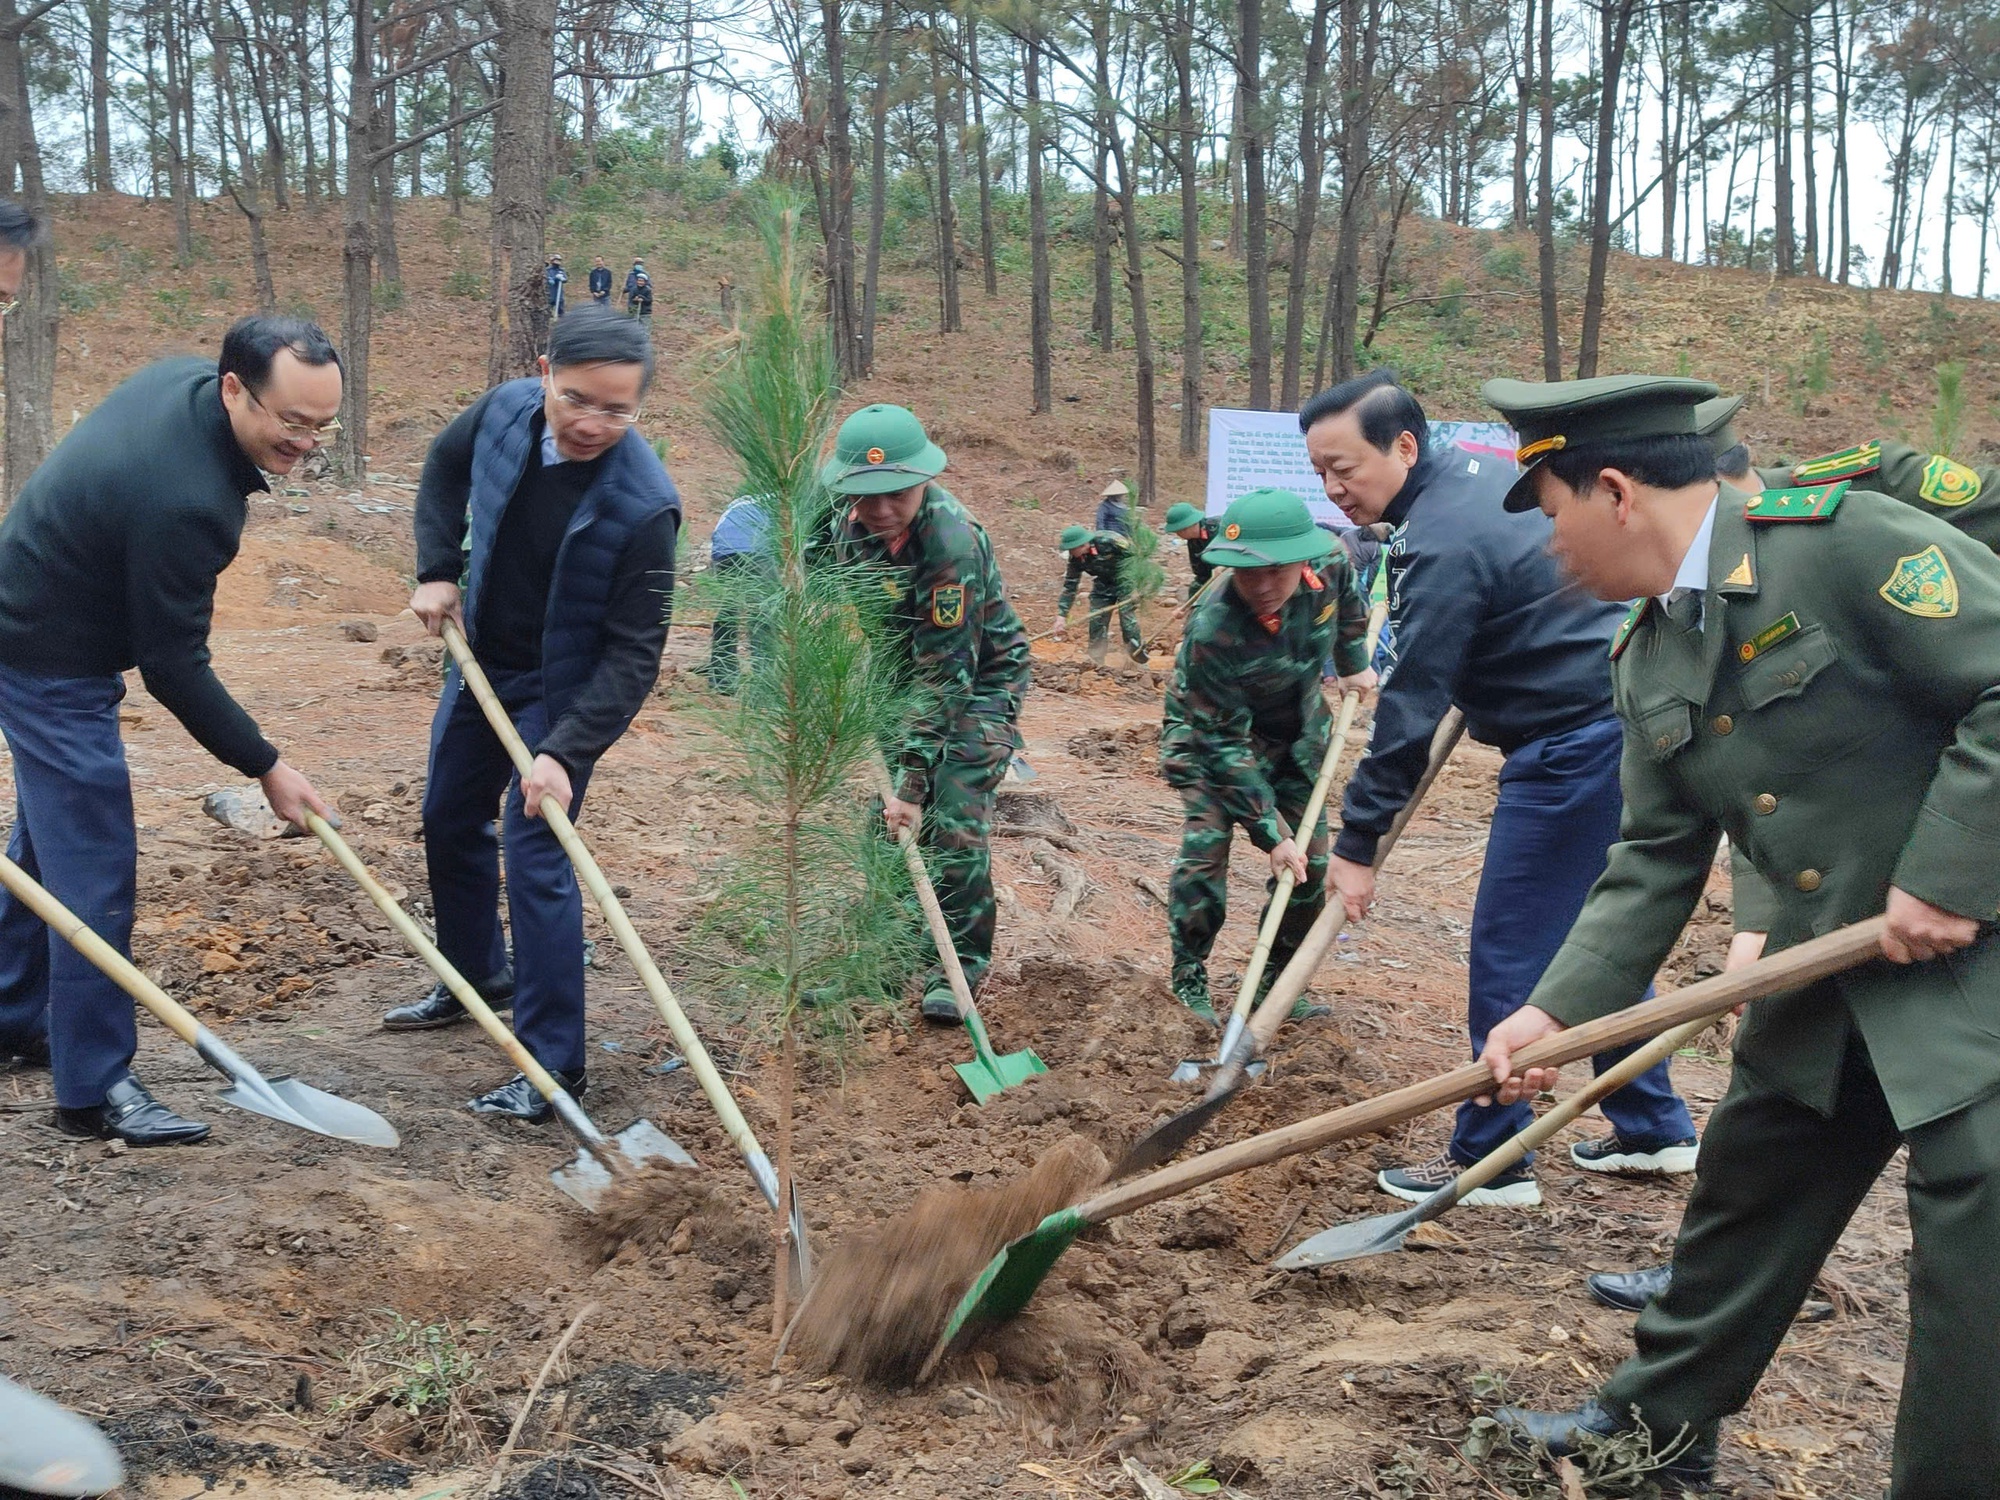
x=1874 y=348
x=220 y=288
x=1813 y=375
x=465 y=282
x=1142 y=574
x=427 y=1366
x=173 y=307
x=74 y=295
x=1508 y=265
x=818 y=905
x=1196 y=1479
x=387 y=296
x=1948 y=415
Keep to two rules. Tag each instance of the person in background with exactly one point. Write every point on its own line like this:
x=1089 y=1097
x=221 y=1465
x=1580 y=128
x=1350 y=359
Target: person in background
x=1104 y=556
x=639 y=301
x=737 y=549
x=108 y=560
x=555 y=278
x=600 y=283
x=1112 y=511
x=632 y=278
x=568 y=587
x=1192 y=527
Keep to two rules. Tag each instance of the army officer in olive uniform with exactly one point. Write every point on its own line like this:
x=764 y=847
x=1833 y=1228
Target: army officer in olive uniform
x=1813 y=672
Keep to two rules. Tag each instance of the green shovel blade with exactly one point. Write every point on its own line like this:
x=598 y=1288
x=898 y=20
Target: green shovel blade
x=1010 y=1278
x=984 y=1077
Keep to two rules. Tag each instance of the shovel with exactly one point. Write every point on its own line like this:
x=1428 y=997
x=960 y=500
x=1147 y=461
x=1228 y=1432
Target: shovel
x=45 y=1450
x=282 y=1098
x=602 y=1158
x=1160 y=1143
x=1274 y=914
x=988 y=1074
x=1009 y=1280
x=1385 y=1232
x=698 y=1061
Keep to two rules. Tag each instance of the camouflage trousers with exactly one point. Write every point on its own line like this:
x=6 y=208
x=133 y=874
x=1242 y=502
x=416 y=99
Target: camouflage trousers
x=956 y=837
x=1198 y=899
x=1104 y=594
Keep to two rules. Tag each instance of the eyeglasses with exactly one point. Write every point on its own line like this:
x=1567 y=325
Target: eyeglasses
x=325 y=432
x=576 y=406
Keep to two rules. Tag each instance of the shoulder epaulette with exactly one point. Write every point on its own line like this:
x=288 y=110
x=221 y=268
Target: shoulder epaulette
x=1845 y=464
x=1628 y=625
x=1816 y=502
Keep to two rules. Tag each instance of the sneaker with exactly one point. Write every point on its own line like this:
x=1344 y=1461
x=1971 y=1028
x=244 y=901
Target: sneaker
x=1609 y=1154
x=1514 y=1188
x=1191 y=989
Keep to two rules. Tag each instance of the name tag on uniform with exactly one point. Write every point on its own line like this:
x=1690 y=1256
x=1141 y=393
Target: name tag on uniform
x=1769 y=636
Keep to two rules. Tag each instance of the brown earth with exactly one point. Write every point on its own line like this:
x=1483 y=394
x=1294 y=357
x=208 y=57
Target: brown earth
x=277 y=1314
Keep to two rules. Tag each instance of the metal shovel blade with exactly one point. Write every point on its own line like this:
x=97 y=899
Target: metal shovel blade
x=1357 y=1241
x=285 y=1098
x=799 y=1259
x=1164 y=1140
x=46 y=1450
x=1190 y=1069
x=587 y=1179
x=986 y=1076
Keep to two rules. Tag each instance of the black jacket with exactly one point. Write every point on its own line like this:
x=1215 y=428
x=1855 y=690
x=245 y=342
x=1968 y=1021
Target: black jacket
x=108 y=558
x=1484 y=620
x=600 y=281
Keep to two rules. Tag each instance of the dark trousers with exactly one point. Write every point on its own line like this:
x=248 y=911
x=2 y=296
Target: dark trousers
x=73 y=832
x=731 y=616
x=1554 y=823
x=1776 y=1186
x=469 y=770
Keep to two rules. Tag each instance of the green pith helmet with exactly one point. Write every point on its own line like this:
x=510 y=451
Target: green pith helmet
x=1266 y=527
x=880 y=449
x=1073 y=537
x=1180 y=515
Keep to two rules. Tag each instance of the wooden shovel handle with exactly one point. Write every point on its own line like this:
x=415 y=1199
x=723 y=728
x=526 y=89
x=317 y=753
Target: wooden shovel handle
x=1267 y=933
x=698 y=1061
x=1794 y=967
x=947 y=951
x=461 y=989
x=119 y=969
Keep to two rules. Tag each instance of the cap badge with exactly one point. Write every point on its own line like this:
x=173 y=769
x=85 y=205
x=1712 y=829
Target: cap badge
x=876 y=455
x=1231 y=532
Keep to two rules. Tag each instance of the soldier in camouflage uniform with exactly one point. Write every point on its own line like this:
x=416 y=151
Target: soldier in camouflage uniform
x=1246 y=726
x=964 y=645
x=1103 y=555
x=1192 y=527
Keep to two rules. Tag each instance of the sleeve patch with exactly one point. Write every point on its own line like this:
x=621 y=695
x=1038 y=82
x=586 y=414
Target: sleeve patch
x=1922 y=585
x=948 y=605
x=1842 y=465
x=1948 y=483
x=1807 y=503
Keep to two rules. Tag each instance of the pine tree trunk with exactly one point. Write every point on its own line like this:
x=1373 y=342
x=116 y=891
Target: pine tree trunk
x=308 y=143
x=1616 y=29
x=357 y=251
x=179 y=178
x=1784 y=82
x=1950 y=201
x=28 y=334
x=1040 y=331
x=1545 y=200
x=1188 y=165
x=99 y=176
x=1524 y=88
x=1312 y=172
x=1811 y=252
x=1256 y=238
x=949 y=320
x=1100 y=196
x=968 y=30
x=1360 y=33
x=381 y=135
x=1142 y=333
x=837 y=210
x=878 y=183
x=519 y=327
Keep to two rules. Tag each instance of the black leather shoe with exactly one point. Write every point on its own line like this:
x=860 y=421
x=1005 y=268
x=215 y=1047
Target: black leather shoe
x=131 y=1115
x=1630 y=1291
x=441 y=1008
x=25 y=1051
x=1691 y=1471
x=521 y=1100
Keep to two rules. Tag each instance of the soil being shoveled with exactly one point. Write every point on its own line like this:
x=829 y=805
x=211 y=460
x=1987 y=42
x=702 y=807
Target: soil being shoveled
x=274 y=1314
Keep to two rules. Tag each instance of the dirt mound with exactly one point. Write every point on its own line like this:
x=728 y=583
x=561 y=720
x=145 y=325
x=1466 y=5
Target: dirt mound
x=664 y=1207
x=1132 y=748
x=880 y=1304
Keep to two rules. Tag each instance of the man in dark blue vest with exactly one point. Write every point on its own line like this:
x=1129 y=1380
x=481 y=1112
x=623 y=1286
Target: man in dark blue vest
x=1485 y=622
x=568 y=568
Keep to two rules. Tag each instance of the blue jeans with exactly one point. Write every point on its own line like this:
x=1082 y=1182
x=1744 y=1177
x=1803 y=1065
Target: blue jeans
x=469 y=770
x=73 y=832
x=1556 y=820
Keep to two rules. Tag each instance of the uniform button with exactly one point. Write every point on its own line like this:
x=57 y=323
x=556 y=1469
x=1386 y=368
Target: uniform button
x=1807 y=881
x=1723 y=724
x=1664 y=742
x=1764 y=802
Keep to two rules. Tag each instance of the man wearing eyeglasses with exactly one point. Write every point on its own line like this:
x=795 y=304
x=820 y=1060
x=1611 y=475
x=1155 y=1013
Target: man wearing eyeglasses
x=568 y=569
x=108 y=561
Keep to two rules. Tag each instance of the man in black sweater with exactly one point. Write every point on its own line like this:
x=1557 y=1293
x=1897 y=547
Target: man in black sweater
x=568 y=568
x=1484 y=620
x=108 y=561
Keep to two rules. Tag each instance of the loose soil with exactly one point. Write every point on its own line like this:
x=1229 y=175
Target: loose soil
x=276 y=1314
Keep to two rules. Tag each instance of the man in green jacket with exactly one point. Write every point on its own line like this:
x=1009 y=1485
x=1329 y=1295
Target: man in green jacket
x=1192 y=527
x=962 y=642
x=1245 y=726
x=1103 y=555
x=1811 y=671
